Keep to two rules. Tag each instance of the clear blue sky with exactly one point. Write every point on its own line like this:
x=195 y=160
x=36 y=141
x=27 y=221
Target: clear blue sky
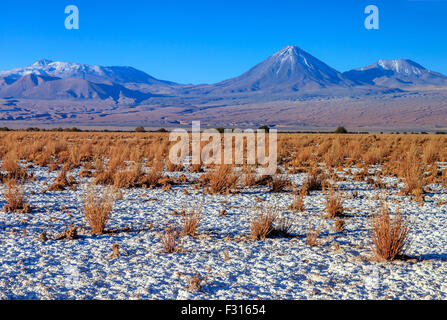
x=211 y=40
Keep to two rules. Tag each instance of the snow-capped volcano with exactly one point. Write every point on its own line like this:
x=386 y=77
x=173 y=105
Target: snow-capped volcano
x=92 y=73
x=401 y=66
x=396 y=73
x=289 y=70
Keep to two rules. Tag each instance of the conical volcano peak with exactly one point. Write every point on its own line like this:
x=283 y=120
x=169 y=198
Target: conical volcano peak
x=289 y=50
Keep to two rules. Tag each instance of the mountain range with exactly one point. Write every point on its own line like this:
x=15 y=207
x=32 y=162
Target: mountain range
x=291 y=81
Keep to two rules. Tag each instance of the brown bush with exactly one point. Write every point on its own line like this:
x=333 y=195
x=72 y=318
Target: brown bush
x=249 y=179
x=312 y=234
x=413 y=175
x=15 y=197
x=70 y=233
x=195 y=168
x=171 y=167
x=220 y=181
x=97 y=209
x=191 y=220
x=262 y=225
x=334 y=205
x=62 y=181
x=171 y=240
x=298 y=200
x=196 y=281
x=314 y=181
x=279 y=184
x=389 y=238
x=282 y=228
x=430 y=153
x=12 y=166
x=339 y=225
x=444 y=177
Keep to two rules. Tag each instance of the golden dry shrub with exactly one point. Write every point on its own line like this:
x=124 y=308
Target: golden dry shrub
x=314 y=180
x=220 y=181
x=15 y=197
x=339 y=225
x=196 y=281
x=11 y=165
x=279 y=184
x=413 y=174
x=312 y=234
x=444 y=177
x=431 y=152
x=334 y=205
x=262 y=225
x=298 y=199
x=97 y=208
x=249 y=177
x=171 y=240
x=62 y=182
x=389 y=238
x=191 y=221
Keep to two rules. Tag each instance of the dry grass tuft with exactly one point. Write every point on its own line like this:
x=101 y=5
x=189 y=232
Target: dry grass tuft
x=312 y=234
x=97 y=209
x=62 y=181
x=220 y=181
x=339 y=225
x=314 y=181
x=334 y=205
x=262 y=226
x=115 y=251
x=298 y=200
x=15 y=198
x=413 y=175
x=249 y=178
x=389 y=238
x=283 y=228
x=171 y=240
x=190 y=222
x=70 y=233
x=12 y=166
x=196 y=282
x=279 y=184
x=444 y=177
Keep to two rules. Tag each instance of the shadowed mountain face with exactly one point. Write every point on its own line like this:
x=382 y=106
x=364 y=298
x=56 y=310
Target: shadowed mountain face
x=290 y=88
x=396 y=74
x=34 y=86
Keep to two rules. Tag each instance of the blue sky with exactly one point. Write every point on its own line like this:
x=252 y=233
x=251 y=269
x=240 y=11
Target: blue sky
x=212 y=40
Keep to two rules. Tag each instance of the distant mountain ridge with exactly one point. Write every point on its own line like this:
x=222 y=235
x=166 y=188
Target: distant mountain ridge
x=92 y=73
x=289 y=72
x=291 y=86
x=396 y=73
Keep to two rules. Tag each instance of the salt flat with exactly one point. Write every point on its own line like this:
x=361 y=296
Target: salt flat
x=340 y=267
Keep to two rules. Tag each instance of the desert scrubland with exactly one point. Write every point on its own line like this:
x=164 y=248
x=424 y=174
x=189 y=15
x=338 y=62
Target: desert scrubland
x=108 y=216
